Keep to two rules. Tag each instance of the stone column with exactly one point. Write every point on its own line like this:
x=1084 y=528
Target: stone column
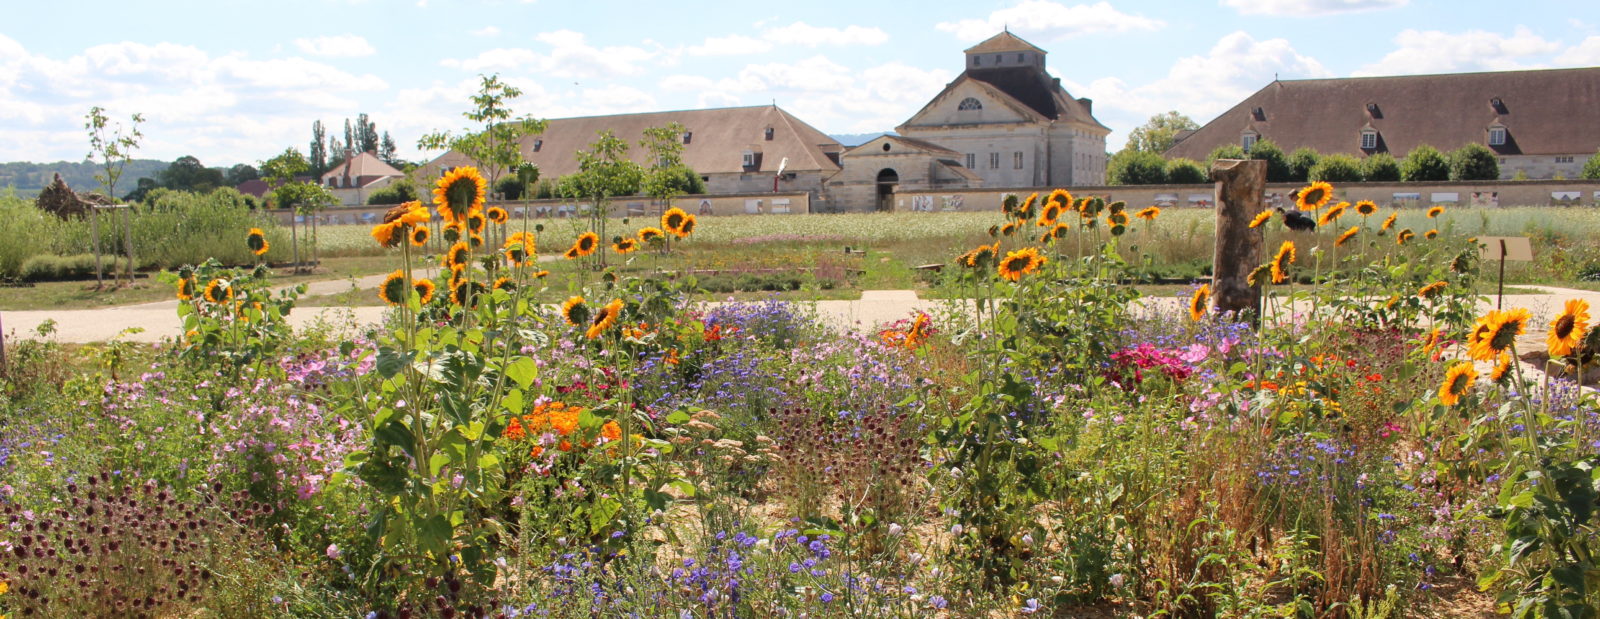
x=1239 y=188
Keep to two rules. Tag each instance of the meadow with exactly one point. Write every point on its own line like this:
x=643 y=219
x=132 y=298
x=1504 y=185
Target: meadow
x=1048 y=446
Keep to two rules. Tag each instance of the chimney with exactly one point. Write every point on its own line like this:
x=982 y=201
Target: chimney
x=1088 y=104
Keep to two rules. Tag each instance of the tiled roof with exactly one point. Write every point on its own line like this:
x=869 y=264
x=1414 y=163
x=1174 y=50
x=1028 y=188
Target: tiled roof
x=1544 y=112
x=718 y=139
x=364 y=164
x=1004 y=42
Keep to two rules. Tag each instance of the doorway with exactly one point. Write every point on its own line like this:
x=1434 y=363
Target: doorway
x=887 y=179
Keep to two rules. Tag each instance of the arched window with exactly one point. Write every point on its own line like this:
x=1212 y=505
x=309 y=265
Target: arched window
x=970 y=103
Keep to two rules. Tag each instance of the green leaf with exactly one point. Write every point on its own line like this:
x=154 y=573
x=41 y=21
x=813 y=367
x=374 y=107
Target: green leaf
x=391 y=361
x=436 y=462
x=603 y=512
x=523 y=371
x=678 y=417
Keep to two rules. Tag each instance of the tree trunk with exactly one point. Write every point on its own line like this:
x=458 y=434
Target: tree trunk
x=1239 y=188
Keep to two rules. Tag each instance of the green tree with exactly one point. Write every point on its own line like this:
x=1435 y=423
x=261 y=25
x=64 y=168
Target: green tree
x=397 y=192
x=1226 y=151
x=1591 y=168
x=1300 y=163
x=1424 y=164
x=113 y=147
x=141 y=190
x=497 y=147
x=1336 y=168
x=1160 y=132
x=319 y=148
x=1380 y=168
x=1136 y=167
x=386 y=151
x=1474 y=162
x=604 y=171
x=1182 y=171
x=188 y=174
x=1278 y=170
x=367 y=140
x=239 y=173
x=667 y=177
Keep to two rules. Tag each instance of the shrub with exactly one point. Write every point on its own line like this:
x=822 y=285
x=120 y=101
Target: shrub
x=397 y=192
x=1278 y=170
x=1131 y=167
x=1226 y=151
x=20 y=237
x=48 y=268
x=1591 y=169
x=1380 y=167
x=1474 y=162
x=1300 y=163
x=1424 y=163
x=1337 y=168
x=1186 y=172
x=509 y=188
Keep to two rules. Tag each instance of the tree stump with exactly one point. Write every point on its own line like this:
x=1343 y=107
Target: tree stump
x=1239 y=191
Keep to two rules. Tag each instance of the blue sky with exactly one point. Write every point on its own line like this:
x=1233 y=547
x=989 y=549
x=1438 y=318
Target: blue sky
x=232 y=82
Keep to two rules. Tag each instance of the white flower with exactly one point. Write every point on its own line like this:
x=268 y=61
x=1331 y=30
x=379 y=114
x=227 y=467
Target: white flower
x=956 y=530
x=1117 y=580
x=894 y=529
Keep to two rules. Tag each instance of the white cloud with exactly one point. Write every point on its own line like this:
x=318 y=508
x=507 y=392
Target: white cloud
x=1584 y=54
x=801 y=33
x=341 y=46
x=570 y=56
x=1434 y=51
x=731 y=45
x=1198 y=86
x=1051 y=20
x=823 y=92
x=1309 y=8
x=486 y=31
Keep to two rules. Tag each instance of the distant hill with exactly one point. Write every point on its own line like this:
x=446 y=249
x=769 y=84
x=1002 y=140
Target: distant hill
x=28 y=178
x=856 y=139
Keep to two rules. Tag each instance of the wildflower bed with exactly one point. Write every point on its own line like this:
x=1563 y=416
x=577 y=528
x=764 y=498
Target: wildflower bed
x=1047 y=445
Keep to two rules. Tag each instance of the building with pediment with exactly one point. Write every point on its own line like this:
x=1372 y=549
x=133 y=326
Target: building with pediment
x=1004 y=122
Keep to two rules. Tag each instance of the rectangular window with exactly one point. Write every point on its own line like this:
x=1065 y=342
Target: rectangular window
x=749 y=158
x=1369 y=140
x=1497 y=136
x=972 y=161
x=1016 y=160
x=1565 y=159
x=1248 y=142
x=994 y=161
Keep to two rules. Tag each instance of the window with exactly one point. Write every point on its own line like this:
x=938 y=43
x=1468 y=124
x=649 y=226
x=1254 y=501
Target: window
x=769 y=134
x=1369 y=140
x=976 y=61
x=749 y=158
x=969 y=103
x=1248 y=141
x=972 y=161
x=1016 y=160
x=1564 y=159
x=687 y=136
x=994 y=161
x=1021 y=57
x=1497 y=136
x=537 y=144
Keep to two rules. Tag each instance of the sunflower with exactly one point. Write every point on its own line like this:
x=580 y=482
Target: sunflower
x=497 y=214
x=1281 y=262
x=673 y=219
x=1405 y=235
x=185 y=289
x=541 y=274
x=1060 y=230
x=219 y=291
x=393 y=289
x=1431 y=290
x=571 y=253
x=1009 y=229
x=521 y=249
x=1389 y=222
x=1567 y=330
x=585 y=244
x=1502 y=368
x=457 y=254
x=1257 y=274
x=1261 y=218
x=505 y=283
x=477 y=240
x=688 y=226
x=466 y=293
x=425 y=289
x=1456 y=383
x=458 y=274
x=1431 y=234
x=1435 y=212
x=419 y=236
x=385 y=235
x=1332 y=214
x=257 y=242
x=1496 y=332
x=574 y=311
x=1314 y=196
x=1366 y=207
x=1117 y=218
x=1062 y=197
x=1199 y=302
x=982 y=255
x=603 y=319
x=651 y=235
x=1020 y=262
x=459 y=193
x=1149 y=213
x=1117 y=207
x=1348 y=234
x=1025 y=211
x=624 y=246
x=412 y=213
x=1432 y=340
x=1049 y=215
x=453 y=232
x=475 y=222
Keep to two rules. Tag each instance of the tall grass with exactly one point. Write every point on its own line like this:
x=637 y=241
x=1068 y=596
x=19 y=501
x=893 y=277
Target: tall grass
x=20 y=238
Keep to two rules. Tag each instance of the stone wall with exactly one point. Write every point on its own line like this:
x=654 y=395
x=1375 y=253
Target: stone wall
x=1474 y=193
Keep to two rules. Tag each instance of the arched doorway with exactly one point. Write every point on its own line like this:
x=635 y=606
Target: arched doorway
x=887 y=178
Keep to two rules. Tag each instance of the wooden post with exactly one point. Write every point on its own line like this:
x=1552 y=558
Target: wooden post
x=127 y=238
x=94 y=229
x=1239 y=188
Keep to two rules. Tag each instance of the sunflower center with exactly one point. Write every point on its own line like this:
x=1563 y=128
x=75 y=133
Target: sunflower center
x=1564 y=326
x=1504 y=336
x=1313 y=196
x=1458 y=384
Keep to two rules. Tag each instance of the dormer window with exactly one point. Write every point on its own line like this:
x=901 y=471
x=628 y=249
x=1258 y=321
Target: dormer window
x=1369 y=139
x=1373 y=111
x=769 y=134
x=969 y=104
x=1258 y=113
x=687 y=136
x=749 y=158
x=1497 y=136
x=1247 y=140
x=1498 y=105
x=538 y=143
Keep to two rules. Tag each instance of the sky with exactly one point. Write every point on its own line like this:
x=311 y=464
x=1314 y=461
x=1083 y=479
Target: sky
x=237 y=82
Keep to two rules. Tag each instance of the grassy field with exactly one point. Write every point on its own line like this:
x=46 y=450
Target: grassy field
x=83 y=295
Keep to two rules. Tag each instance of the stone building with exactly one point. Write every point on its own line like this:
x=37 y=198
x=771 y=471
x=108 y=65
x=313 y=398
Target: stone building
x=358 y=176
x=735 y=149
x=1004 y=122
x=1542 y=123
